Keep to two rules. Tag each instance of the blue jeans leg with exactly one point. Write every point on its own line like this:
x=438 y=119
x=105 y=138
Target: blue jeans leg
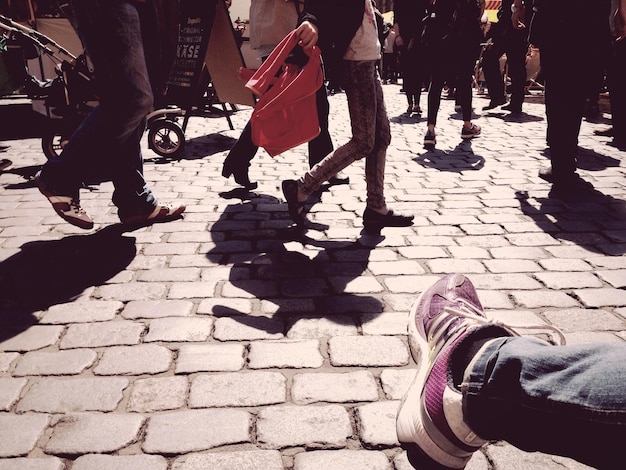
x=107 y=143
x=564 y=400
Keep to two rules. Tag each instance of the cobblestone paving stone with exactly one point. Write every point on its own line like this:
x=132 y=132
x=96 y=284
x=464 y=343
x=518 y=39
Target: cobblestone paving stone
x=231 y=340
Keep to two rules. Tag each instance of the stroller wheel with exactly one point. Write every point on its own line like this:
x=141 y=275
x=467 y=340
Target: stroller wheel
x=165 y=137
x=53 y=139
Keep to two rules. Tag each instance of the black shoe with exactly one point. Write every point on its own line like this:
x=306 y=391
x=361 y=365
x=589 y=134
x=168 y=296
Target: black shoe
x=546 y=175
x=338 y=179
x=240 y=175
x=513 y=109
x=374 y=221
x=609 y=132
x=494 y=104
x=290 y=190
x=573 y=189
x=5 y=163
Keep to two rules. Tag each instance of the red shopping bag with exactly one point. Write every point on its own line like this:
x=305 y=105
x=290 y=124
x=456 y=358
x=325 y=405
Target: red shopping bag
x=285 y=115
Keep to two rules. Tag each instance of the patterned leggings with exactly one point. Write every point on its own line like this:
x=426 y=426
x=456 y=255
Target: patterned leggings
x=371 y=134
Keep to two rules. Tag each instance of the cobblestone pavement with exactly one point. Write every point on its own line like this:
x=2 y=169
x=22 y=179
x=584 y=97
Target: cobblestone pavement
x=230 y=340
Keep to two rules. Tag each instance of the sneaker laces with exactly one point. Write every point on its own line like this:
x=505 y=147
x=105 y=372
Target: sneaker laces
x=542 y=330
x=76 y=207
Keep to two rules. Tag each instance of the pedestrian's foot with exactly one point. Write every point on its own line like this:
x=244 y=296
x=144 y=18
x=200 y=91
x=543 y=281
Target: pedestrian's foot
x=68 y=207
x=5 y=163
x=374 y=221
x=295 y=207
x=546 y=174
x=338 y=179
x=608 y=132
x=513 y=109
x=494 y=104
x=471 y=132
x=239 y=174
x=160 y=214
x=430 y=140
x=573 y=189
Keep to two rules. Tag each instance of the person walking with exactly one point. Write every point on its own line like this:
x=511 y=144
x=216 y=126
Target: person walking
x=452 y=36
x=346 y=33
x=270 y=22
x=551 y=30
x=479 y=381
x=107 y=143
x=512 y=40
x=408 y=17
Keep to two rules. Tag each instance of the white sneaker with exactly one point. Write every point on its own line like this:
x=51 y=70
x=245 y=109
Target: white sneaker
x=67 y=207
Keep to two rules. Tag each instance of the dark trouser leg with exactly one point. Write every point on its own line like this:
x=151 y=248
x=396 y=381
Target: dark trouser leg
x=516 y=57
x=617 y=90
x=564 y=108
x=322 y=145
x=493 y=75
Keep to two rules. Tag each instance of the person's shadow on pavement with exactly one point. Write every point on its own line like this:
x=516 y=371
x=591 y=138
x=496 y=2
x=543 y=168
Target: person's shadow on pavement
x=46 y=273
x=461 y=158
x=593 y=224
x=290 y=274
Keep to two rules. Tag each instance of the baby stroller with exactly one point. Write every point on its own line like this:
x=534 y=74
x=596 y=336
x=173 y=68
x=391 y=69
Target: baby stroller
x=67 y=98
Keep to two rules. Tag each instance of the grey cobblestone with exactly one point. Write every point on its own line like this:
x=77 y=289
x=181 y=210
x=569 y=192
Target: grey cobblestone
x=20 y=433
x=238 y=389
x=210 y=357
x=378 y=423
x=334 y=388
x=10 y=389
x=241 y=328
x=70 y=362
x=82 y=312
x=309 y=328
x=22 y=463
x=158 y=394
x=117 y=462
x=342 y=459
x=234 y=341
x=180 y=432
x=376 y=351
x=250 y=460
x=134 y=360
x=93 y=335
x=71 y=395
x=86 y=433
x=179 y=329
x=157 y=309
x=6 y=359
x=34 y=338
x=285 y=354
x=282 y=426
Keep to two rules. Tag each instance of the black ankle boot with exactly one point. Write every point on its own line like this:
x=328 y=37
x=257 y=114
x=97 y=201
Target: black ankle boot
x=240 y=175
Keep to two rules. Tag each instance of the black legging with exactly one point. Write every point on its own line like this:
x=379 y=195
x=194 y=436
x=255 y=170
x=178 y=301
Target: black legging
x=447 y=62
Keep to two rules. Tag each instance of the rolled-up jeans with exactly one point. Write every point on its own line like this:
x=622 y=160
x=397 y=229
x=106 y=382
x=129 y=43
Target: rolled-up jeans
x=107 y=143
x=563 y=400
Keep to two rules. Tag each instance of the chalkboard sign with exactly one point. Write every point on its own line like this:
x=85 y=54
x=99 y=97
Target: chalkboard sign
x=194 y=31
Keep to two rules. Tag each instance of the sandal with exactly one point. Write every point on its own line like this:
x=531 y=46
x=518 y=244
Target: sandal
x=160 y=214
x=290 y=190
